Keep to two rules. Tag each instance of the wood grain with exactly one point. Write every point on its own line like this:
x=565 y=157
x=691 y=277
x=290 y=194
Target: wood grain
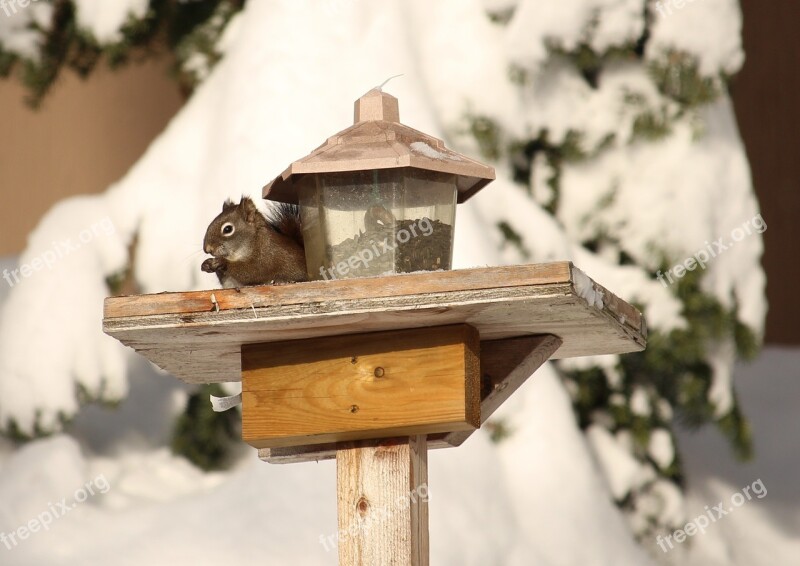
x=317 y=292
x=378 y=141
x=384 y=384
x=382 y=496
x=185 y=335
x=505 y=366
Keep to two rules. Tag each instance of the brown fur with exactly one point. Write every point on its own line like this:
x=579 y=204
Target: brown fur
x=259 y=250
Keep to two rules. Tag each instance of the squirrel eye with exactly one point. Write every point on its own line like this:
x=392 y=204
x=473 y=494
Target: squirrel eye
x=228 y=229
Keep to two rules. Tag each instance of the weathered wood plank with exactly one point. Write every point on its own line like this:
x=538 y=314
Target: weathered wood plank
x=320 y=452
x=382 y=494
x=418 y=283
x=505 y=366
x=204 y=347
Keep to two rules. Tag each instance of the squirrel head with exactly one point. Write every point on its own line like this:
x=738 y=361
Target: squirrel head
x=232 y=234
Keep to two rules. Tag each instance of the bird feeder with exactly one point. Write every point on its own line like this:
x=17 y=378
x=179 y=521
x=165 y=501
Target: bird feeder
x=379 y=197
x=375 y=371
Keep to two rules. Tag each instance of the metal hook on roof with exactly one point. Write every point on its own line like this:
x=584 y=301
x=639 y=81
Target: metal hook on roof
x=380 y=87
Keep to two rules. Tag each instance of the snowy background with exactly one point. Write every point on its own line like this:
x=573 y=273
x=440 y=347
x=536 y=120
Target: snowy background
x=544 y=495
x=537 y=498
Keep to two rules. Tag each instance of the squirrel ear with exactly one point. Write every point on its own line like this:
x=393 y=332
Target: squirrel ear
x=228 y=204
x=248 y=209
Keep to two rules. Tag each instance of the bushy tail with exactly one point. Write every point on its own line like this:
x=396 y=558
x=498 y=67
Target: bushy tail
x=285 y=218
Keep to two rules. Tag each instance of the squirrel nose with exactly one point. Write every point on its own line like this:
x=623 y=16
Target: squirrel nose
x=207 y=248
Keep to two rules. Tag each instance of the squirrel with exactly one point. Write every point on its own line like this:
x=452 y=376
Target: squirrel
x=252 y=249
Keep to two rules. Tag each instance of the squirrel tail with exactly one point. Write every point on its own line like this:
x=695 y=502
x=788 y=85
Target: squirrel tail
x=285 y=219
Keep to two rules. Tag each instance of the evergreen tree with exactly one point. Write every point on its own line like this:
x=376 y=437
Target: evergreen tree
x=613 y=98
x=655 y=94
x=43 y=39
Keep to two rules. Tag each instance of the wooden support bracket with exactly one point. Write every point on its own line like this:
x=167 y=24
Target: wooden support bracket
x=505 y=365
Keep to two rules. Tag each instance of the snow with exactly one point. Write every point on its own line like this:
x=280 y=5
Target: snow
x=268 y=103
x=16 y=34
x=104 y=19
x=763 y=531
x=557 y=495
x=671 y=501
x=622 y=470
x=662 y=310
x=718 y=46
x=721 y=361
x=536 y=26
x=230 y=35
x=660 y=448
x=232 y=517
x=478 y=243
x=42 y=363
x=586 y=289
x=676 y=195
x=494 y=6
x=640 y=402
x=459 y=88
x=673 y=196
x=618 y=22
x=55 y=466
x=664 y=410
x=426 y=150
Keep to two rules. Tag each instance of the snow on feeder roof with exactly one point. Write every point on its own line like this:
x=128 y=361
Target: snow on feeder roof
x=377 y=140
x=373 y=371
x=378 y=182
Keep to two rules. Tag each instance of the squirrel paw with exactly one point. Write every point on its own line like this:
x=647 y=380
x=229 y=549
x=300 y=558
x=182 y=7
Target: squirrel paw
x=211 y=265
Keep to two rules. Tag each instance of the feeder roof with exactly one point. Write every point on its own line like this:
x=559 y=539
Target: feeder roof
x=378 y=140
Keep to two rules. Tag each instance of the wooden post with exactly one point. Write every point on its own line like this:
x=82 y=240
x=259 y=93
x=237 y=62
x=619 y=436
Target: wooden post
x=326 y=366
x=382 y=494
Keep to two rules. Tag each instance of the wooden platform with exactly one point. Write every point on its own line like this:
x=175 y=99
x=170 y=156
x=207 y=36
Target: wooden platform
x=197 y=336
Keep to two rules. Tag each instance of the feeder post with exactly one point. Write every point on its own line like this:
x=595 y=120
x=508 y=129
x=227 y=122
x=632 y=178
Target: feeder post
x=382 y=495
